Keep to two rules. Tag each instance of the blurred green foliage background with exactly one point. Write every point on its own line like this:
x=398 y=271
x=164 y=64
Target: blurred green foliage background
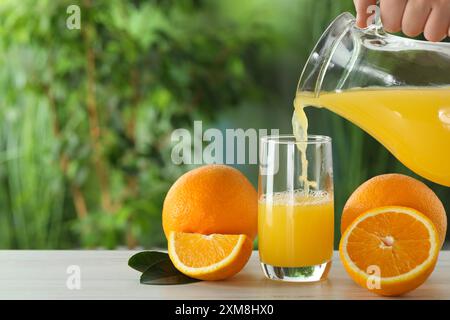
x=86 y=115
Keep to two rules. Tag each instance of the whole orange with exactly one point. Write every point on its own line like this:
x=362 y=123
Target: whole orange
x=211 y=199
x=395 y=190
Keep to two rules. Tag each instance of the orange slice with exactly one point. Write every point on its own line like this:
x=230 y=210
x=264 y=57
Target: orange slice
x=390 y=250
x=209 y=257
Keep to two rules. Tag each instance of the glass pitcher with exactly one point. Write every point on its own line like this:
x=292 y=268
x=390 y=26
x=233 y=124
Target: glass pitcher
x=394 y=88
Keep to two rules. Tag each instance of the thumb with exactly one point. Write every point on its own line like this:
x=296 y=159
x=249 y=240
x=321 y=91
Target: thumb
x=361 y=11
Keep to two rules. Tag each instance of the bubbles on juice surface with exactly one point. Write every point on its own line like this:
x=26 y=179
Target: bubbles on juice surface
x=297 y=197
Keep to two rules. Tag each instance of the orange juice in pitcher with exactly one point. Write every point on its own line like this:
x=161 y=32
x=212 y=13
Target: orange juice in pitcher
x=412 y=123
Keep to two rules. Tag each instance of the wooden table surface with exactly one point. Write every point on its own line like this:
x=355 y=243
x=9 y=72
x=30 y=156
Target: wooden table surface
x=106 y=275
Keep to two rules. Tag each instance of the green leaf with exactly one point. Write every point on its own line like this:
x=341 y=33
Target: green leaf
x=143 y=260
x=165 y=273
x=157 y=269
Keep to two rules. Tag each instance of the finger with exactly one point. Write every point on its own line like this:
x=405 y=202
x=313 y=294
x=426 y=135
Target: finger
x=437 y=25
x=415 y=17
x=361 y=11
x=392 y=14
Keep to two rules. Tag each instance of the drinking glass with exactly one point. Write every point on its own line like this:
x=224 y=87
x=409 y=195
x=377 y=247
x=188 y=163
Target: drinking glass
x=295 y=214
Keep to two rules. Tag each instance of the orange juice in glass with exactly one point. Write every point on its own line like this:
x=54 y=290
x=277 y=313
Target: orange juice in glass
x=296 y=208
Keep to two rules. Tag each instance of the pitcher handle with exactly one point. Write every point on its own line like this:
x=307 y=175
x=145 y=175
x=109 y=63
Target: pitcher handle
x=376 y=25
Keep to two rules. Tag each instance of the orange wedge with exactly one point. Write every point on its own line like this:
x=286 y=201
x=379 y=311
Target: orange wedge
x=209 y=257
x=390 y=250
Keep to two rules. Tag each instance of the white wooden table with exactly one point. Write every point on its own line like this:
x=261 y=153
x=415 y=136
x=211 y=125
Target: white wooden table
x=106 y=275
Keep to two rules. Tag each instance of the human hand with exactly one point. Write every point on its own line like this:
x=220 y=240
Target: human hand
x=412 y=17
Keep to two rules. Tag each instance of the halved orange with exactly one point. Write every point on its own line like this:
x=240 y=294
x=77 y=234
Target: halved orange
x=390 y=250
x=209 y=257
